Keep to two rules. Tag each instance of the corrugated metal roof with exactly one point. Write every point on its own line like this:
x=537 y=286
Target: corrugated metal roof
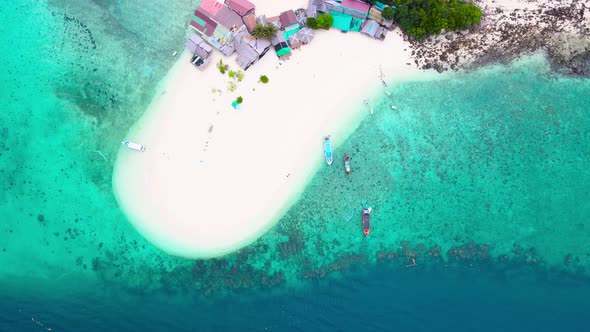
x=278 y=38
x=370 y=28
x=211 y=7
x=358 y=5
x=250 y=21
x=228 y=18
x=288 y=17
x=241 y=7
x=203 y=23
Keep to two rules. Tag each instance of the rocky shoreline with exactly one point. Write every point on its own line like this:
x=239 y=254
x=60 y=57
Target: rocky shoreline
x=511 y=28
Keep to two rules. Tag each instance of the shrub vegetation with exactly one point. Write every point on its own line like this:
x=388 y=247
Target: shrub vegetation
x=387 y=13
x=312 y=23
x=325 y=21
x=222 y=67
x=264 y=31
x=263 y=79
x=421 y=18
x=231 y=86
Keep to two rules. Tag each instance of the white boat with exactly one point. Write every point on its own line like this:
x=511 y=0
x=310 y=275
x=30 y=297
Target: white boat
x=393 y=107
x=328 y=150
x=387 y=93
x=133 y=145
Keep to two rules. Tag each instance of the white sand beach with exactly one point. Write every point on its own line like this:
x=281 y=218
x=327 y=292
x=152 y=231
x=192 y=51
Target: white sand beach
x=213 y=179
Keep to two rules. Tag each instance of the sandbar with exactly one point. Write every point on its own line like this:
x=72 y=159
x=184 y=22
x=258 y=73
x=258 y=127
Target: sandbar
x=213 y=179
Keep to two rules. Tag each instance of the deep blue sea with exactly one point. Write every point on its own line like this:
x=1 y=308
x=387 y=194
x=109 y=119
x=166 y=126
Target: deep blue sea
x=369 y=299
x=482 y=178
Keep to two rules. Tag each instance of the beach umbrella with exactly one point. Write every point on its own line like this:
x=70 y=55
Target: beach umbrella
x=305 y=35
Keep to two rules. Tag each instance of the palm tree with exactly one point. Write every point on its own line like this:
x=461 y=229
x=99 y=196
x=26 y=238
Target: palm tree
x=264 y=31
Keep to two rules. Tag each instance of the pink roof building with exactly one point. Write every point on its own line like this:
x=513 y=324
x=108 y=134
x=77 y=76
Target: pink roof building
x=287 y=18
x=220 y=13
x=242 y=7
x=250 y=22
x=210 y=7
x=357 y=5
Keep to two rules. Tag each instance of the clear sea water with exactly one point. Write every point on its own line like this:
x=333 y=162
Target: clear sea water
x=481 y=178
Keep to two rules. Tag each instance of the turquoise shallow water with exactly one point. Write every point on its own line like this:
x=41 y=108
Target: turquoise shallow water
x=71 y=87
x=481 y=178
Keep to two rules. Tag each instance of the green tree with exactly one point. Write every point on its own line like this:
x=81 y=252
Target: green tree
x=221 y=66
x=263 y=79
x=312 y=23
x=387 y=13
x=421 y=18
x=325 y=21
x=239 y=100
x=264 y=31
x=240 y=75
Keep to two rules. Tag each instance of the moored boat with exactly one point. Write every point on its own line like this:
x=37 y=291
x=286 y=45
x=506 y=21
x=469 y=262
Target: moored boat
x=366 y=220
x=328 y=150
x=133 y=146
x=347 y=164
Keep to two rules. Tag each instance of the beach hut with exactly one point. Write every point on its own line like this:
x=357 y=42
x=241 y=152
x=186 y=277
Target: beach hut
x=249 y=48
x=203 y=24
x=216 y=23
x=301 y=17
x=381 y=33
x=198 y=46
x=227 y=49
x=241 y=7
x=250 y=22
x=259 y=44
x=281 y=46
x=312 y=9
x=375 y=14
x=346 y=22
x=355 y=8
x=321 y=6
x=372 y=29
x=246 y=55
x=387 y=23
x=289 y=20
x=199 y=62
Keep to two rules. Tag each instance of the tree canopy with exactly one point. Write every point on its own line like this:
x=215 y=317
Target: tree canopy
x=387 y=13
x=421 y=18
x=312 y=23
x=264 y=31
x=324 y=21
